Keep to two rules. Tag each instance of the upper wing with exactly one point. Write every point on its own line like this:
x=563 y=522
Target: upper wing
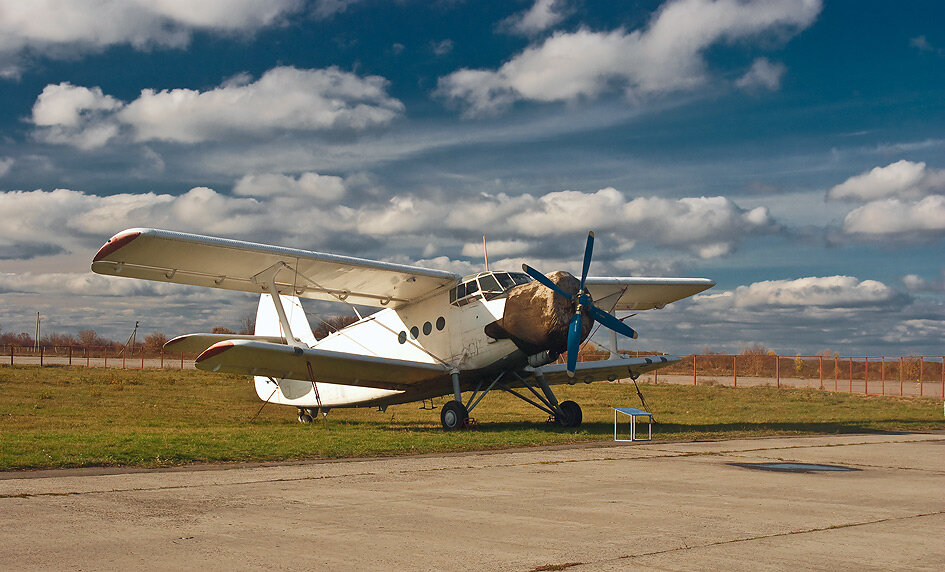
x=282 y=361
x=168 y=256
x=606 y=370
x=643 y=293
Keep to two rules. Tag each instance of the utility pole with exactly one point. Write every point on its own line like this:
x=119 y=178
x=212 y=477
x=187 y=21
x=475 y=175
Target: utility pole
x=38 y=333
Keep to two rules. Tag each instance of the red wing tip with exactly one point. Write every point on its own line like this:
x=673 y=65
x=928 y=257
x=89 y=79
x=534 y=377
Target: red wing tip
x=114 y=243
x=213 y=350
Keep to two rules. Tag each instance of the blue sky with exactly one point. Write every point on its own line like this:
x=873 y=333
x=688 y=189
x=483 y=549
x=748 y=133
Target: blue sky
x=790 y=150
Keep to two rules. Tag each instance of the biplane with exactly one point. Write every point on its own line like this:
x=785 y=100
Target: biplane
x=436 y=334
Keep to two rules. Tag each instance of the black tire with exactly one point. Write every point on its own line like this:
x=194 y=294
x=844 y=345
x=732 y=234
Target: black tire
x=572 y=414
x=305 y=418
x=454 y=416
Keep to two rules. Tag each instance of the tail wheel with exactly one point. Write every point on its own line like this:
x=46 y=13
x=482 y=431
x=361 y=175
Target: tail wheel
x=454 y=416
x=571 y=414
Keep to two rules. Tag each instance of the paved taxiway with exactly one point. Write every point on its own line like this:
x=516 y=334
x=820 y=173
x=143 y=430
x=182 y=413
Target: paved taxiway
x=677 y=506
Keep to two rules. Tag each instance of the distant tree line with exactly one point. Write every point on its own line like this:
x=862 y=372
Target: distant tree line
x=151 y=343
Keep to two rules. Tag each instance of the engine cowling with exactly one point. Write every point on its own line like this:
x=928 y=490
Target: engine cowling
x=536 y=319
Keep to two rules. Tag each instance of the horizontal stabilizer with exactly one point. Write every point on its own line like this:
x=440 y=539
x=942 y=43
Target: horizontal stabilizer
x=606 y=370
x=282 y=361
x=196 y=343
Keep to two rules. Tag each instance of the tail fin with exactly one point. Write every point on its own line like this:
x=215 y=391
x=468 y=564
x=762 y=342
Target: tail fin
x=267 y=319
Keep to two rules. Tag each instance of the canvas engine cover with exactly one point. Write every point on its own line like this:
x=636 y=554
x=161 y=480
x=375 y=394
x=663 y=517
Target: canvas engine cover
x=536 y=319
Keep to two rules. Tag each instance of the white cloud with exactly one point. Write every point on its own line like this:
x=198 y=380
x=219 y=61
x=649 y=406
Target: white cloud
x=902 y=180
x=708 y=226
x=665 y=56
x=821 y=291
x=6 y=163
x=75 y=115
x=898 y=219
x=916 y=283
x=763 y=75
x=284 y=98
x=66 y=28
x=443 y=48
x=328 y=8
x=543 y=15
x=324 y=188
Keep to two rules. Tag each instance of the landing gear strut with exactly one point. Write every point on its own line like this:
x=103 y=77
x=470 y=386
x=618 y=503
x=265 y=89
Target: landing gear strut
x=455 y=415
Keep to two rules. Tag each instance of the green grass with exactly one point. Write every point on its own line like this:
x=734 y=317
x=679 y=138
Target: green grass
x=72 y=417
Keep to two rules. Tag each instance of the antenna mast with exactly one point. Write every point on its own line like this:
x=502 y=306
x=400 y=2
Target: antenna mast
x=485 y=253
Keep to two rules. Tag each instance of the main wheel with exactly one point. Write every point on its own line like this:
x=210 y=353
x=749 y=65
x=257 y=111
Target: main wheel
x=572 y=414
x=453 y=416
x=305 y=418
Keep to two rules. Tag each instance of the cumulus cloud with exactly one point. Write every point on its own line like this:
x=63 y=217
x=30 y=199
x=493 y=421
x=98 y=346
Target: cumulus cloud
x=903 y=201
x=324 y=188
x=708 y=226
x=763 y=74
x=896 y=218
x=900 y=180
x=666 y=56
x=821 y=291
x=6 y=163
x=543 y=15
x=916 y=283
x=64 y=28
x=284 y=98
x=75 y=115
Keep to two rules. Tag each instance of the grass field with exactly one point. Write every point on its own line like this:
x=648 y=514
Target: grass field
x=72 y=417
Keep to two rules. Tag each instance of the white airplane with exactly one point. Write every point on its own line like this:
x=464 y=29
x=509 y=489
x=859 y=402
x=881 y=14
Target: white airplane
x=437 y=333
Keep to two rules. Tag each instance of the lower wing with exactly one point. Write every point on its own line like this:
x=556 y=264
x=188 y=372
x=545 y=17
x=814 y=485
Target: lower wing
x=281 y=361
x=606 y=370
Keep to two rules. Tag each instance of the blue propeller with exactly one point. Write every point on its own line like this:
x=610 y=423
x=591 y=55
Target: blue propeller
x=584 y=304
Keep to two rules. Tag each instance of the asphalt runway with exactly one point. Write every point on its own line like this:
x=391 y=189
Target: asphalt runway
x=609 y=506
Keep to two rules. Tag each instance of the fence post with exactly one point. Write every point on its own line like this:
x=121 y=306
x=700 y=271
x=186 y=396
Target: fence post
x=851 y=375
x=162 y=358
x=40 y=355
x=735 y=369
x=11 y=354
x=921 y=372
x=106 y=356
x=866 y=376
x=777 y=371
x=884 y=375
x=693 y=369
x=87 y=363
x=836 y=372
x=70 y=354
x=821 y=372
x=182 y=360
x=943 y=377
x=900 y=376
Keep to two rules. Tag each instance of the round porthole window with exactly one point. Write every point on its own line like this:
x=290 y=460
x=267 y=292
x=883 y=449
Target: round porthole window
x=427 y=328
x=440 y=323
x=402 y=337
x=414 y=332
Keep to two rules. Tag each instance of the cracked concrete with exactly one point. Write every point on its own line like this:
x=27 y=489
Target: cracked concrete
x=670 y=506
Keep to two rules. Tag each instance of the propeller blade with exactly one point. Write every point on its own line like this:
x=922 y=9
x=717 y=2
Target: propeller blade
x=609 y=321
x=588 y=251
x=544 y=280
x=574 y=342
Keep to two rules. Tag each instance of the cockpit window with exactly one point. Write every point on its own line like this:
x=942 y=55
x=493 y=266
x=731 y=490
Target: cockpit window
x=492 y=285
x=505 y=280
x=488 y=283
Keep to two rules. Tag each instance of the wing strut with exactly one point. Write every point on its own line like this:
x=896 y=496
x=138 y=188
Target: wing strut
x=267 y=279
